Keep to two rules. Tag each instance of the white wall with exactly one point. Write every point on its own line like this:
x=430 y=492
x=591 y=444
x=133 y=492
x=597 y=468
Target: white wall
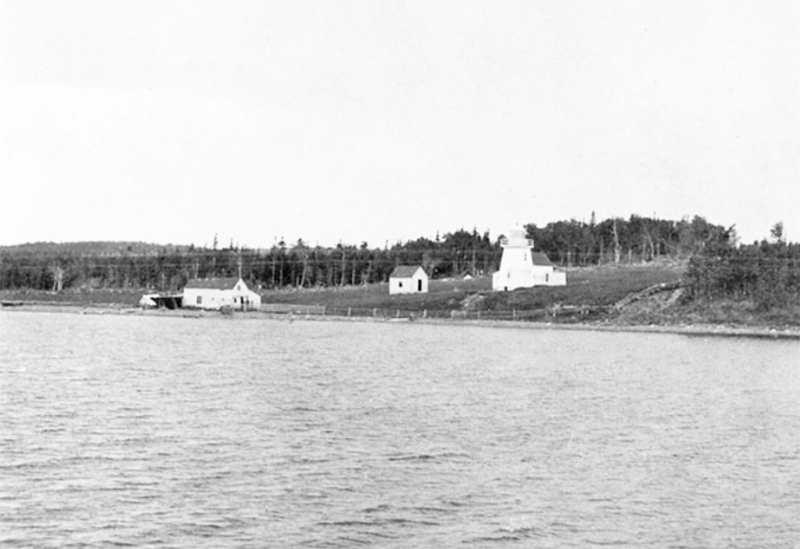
x=409 y=285
x=216 y=299
x=527 y=277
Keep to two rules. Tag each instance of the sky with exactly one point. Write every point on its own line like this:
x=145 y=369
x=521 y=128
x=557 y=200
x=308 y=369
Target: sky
x=173 y=121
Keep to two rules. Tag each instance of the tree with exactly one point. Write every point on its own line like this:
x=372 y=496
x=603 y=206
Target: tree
x=58 y=272
x=777 y=232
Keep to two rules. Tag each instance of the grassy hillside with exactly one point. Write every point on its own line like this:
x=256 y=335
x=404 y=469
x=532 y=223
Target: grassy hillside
x=586 y=298
x=585 y=287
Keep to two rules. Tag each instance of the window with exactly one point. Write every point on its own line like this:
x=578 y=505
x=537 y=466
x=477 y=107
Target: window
x=199 y=300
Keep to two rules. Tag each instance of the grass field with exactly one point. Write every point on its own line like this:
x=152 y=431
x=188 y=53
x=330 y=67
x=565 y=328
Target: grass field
x=593 y=289
x=585 y=287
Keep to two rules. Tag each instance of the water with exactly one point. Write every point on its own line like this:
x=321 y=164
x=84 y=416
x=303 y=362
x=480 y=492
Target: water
x=216 y=432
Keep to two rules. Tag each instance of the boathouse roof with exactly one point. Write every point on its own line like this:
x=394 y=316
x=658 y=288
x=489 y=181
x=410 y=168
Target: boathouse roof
x=213 y=283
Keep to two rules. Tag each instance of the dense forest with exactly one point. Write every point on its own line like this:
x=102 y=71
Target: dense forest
x=56 y=267
x=765 y=274
x=635 y=240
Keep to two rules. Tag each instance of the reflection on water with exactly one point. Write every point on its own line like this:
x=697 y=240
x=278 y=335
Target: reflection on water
x=177 y=432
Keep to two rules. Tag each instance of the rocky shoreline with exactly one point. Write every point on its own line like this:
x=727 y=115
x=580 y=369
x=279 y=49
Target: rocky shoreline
x=697 y=330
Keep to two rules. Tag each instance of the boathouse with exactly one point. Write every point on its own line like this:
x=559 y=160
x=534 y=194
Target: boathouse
x=521 y=267
x=168 y=301
x=216 y=293
x=408 y=279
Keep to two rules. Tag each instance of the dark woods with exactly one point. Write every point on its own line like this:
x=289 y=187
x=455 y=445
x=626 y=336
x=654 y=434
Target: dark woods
x=619 y=241
x=105 y=265
x=765 y=274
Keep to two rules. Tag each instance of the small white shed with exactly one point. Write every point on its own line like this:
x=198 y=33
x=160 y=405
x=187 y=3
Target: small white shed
x=216 y=293
x=408 y=279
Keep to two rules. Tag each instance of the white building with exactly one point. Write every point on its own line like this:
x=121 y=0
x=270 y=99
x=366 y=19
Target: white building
x=215 y=293
x=408 y=279
x=521 y=267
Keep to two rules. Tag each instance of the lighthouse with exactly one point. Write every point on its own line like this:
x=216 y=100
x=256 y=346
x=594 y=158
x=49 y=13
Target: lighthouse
x=521 y=267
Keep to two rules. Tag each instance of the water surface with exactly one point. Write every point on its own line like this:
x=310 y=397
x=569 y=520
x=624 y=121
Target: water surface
x=216 y=432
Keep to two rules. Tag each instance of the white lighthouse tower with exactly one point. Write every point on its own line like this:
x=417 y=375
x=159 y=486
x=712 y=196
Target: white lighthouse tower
x=521 y=267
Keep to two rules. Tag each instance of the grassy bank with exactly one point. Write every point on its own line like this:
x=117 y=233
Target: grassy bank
x=588 y=286
x=588 y=298
x=87 y=298
x=592 y=287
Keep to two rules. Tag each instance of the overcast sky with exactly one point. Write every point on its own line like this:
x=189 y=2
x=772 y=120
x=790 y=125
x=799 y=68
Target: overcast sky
x=173 y=121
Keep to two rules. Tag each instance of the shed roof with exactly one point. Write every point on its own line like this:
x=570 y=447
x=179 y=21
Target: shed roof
x=213 y=283
x=539 y=258
x=405 y=271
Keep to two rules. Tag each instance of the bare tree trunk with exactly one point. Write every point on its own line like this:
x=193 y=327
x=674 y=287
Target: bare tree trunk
x=303 y=274
x=58 y=277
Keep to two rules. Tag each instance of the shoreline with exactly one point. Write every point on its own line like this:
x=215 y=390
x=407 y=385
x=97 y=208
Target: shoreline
x=691 y=330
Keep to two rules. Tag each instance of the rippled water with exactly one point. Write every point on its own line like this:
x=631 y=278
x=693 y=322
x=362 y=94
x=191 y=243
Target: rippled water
x=216 y=432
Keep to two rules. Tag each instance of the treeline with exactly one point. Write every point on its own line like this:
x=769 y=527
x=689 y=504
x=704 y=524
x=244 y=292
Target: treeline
x=638 y=239
x=766 y=274
x=633 y=240
x=58 y=267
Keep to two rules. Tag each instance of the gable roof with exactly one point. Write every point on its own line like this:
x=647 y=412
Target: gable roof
x=539 y=258
x=405 y=271
x=213 y=283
